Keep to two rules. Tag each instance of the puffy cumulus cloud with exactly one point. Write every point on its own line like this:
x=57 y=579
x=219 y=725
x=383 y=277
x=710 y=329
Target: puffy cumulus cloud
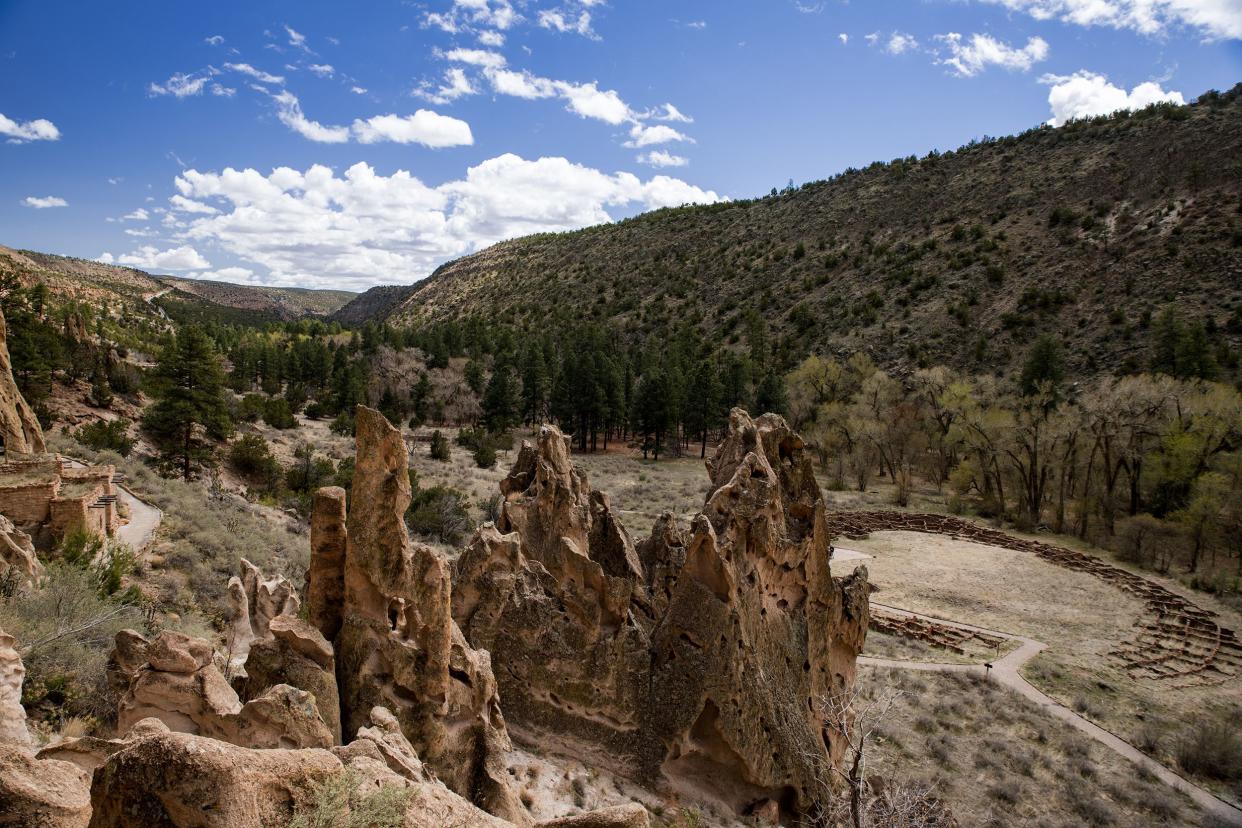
x=186 y=205
x=236 y=275
x=1214 y=18
x=425 y=127
x=149 y=257
x=323 y=70
x=360 y=228
x=489 y=38
x=643 y=135
x=40 y=129
x=476 y=57
x=1087 y=94
x=662 y=158
x=138 y=215
x=969 y=58
x=589 y=101
x=44 y=202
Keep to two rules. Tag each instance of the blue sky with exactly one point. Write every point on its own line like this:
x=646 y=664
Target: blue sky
x=332 y=144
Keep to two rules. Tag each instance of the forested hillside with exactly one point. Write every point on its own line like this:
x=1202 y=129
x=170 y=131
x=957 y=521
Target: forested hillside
x=961 y=258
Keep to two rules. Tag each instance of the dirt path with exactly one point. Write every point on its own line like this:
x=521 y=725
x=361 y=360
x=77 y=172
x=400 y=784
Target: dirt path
x=1006 y=671
x=144 y=518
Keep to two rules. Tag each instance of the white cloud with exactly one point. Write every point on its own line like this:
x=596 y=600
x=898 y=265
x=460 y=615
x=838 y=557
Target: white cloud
x=476 y=57
x=1086 y=94
x=455 y=85
x=661 y=158
x=323 y=70
x=149 y=257
x=360 y=228
x=1215 y=18
x=423 y=127
x=186 y=205
x=358 y=90
x=138 y=215
x=289 y=111
x=39 y=129
x=521 y=84
x=222 y=91
x=466 y=14
x=642 y=135
x=257 y=74
x=490 y=38
x=297 y=40
x=180 y=85
x=668 y=112
x=44 y=202
x=982 y=51
x=589 y=101
x=809 y=8
x=697 y=24
x=900 y=43
x=235 y=275
x=872 y=38
x=561 y=21
x=844 y=38
x=214 y=40
x=105 y=258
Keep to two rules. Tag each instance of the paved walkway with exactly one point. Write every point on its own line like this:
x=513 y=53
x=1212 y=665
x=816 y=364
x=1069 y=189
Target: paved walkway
x=1005 y=670
x=144 y=518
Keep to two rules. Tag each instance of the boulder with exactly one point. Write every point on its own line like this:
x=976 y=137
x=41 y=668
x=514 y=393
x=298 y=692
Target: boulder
x=294 y=653
x=255 y=601
x=174 y=679
x=42 y=793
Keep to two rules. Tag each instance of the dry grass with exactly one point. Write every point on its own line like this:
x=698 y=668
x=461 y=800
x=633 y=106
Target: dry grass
x=999 y=760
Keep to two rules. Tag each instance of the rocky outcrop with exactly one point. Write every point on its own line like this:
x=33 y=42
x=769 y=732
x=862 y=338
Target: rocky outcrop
x=19 y=428
x=255 y=601
x=18 y=560
x=325 y=587
x=178 y=780
x=397 y=645
x=695 y=662
x=175 y=680
x=13 y=731
x=296 y=654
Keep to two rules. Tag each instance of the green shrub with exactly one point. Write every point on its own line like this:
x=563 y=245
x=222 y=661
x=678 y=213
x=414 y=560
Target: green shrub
x=102 y=435
x=278 y=414
x=338 y=802
x=1211 y=748
x=440 y=447
x=343 y=424
x=439 y=512
x=485 y=456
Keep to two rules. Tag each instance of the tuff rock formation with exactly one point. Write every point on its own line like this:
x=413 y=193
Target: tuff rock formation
x=19 y=428
x=325 y=586
x=175 y=680
x=397 y=645
x=18 y=560
x=255 y=602
x=42 y=793
x=693 y=662
x=13 y=729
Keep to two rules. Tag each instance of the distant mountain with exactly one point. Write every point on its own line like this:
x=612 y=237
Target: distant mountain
x=86 y=280
x=963 y=258
x=376 y=303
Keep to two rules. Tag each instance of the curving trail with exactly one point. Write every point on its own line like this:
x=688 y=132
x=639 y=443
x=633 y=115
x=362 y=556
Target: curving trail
x=1006 y=671
x=144 y=518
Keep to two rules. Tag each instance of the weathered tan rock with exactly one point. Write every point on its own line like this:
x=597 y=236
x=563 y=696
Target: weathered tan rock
x=296 y=654
x=398 y=646
x=19 y=428
x=694 y=662
x=17 y=555
x=36 y=793
x=13 y=731
x=632 y=815
x=177 y=780
x=325 y=587
x=255 y=601
x=175 y=680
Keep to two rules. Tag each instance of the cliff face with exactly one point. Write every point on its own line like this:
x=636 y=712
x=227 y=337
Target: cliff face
x=18 y=425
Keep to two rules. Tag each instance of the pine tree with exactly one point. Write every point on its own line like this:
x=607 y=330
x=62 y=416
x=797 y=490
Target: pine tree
x=770 y=396
x=502 y=399
x=190 y=409
x=1044 y=368
x=702 y=403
